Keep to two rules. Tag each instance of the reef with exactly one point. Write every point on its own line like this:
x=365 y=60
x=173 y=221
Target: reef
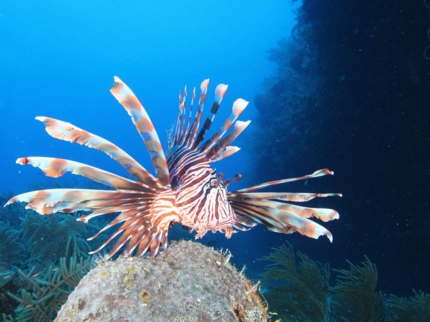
x=188 y=282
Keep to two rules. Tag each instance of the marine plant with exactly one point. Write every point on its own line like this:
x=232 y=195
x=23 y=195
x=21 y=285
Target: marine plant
x=415 y=308
x=43 y=294
x=355 y=297
x=11 y=246
x=42 y=258
x=296 y=290
x=300 y=291
x=49 y=238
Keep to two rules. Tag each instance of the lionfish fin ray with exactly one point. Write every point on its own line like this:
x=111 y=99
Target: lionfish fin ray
x=144 y=126
x=223 y=154
x=239 y=127
x=281 y=221
x=71 y=133
x=220 y=91
x=238 y=107
x=318 y=173
x=323 y=214
x=50 y=201
x=55 y=167
x=144 y=225
x=187 y=129
x=191 y=135
x=284 y=196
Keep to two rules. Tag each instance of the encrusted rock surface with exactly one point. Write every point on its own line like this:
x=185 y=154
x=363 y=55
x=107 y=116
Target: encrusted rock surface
x=188 y=282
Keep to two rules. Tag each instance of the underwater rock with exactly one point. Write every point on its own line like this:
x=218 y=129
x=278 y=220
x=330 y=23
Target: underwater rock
x=188 y=282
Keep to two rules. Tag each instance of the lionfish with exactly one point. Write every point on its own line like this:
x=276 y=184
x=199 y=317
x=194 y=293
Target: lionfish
x=185 y=190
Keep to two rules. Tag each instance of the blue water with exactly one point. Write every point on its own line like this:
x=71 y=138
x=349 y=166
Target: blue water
x=58 y=59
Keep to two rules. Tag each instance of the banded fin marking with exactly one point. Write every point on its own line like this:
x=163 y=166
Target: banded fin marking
x=144 y=126
x=50 y=201
x=323 y=214
x=281 y=221
x=55 y=167
x=220 y=91
x=191 y=136
x=71 y=133
x=239 y=127
x=285 y=196
x=238 y=107
x=316 y=174
x=223 y=154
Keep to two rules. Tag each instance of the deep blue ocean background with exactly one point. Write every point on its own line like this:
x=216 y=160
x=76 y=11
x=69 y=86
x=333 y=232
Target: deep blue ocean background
x=369 y=121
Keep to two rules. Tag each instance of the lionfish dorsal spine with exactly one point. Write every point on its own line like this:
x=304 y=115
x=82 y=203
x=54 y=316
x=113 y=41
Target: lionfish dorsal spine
x=193 y=96
x=238 y=107
x=144 y=126
x=221 y=145
x=181 y=117
x=220 y=91
x=191 y=136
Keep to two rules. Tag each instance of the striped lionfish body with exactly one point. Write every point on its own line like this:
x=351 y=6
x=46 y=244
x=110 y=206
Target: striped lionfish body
x=185 y=190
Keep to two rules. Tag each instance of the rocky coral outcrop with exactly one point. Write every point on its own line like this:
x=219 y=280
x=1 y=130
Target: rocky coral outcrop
x=188 y=282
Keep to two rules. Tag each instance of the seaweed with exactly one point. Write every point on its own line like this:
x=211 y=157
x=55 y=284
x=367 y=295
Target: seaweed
x=51 y=255
x=11 y=249
x=416 y=308
x=355 y=298
x=50 y=237
x=44 y=294
x=299 y=291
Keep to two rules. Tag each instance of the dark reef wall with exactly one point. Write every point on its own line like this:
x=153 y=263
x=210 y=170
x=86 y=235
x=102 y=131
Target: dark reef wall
x=368 y=120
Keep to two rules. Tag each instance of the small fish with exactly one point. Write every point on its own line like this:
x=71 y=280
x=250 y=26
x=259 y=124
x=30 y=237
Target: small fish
x=185 y=189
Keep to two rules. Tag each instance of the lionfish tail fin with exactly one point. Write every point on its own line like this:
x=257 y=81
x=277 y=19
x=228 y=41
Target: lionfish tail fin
x=144 y=126
x=272 y=209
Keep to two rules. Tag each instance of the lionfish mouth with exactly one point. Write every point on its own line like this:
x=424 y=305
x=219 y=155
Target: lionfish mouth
x=185 y=188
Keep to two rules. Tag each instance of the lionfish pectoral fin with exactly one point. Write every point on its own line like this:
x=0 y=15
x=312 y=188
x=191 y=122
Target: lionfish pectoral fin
x=55 y=167
x=71 y=133
x=145 y=220
x=142 y=229
x=272 y=210
x=281 y=221
x=144 y=126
